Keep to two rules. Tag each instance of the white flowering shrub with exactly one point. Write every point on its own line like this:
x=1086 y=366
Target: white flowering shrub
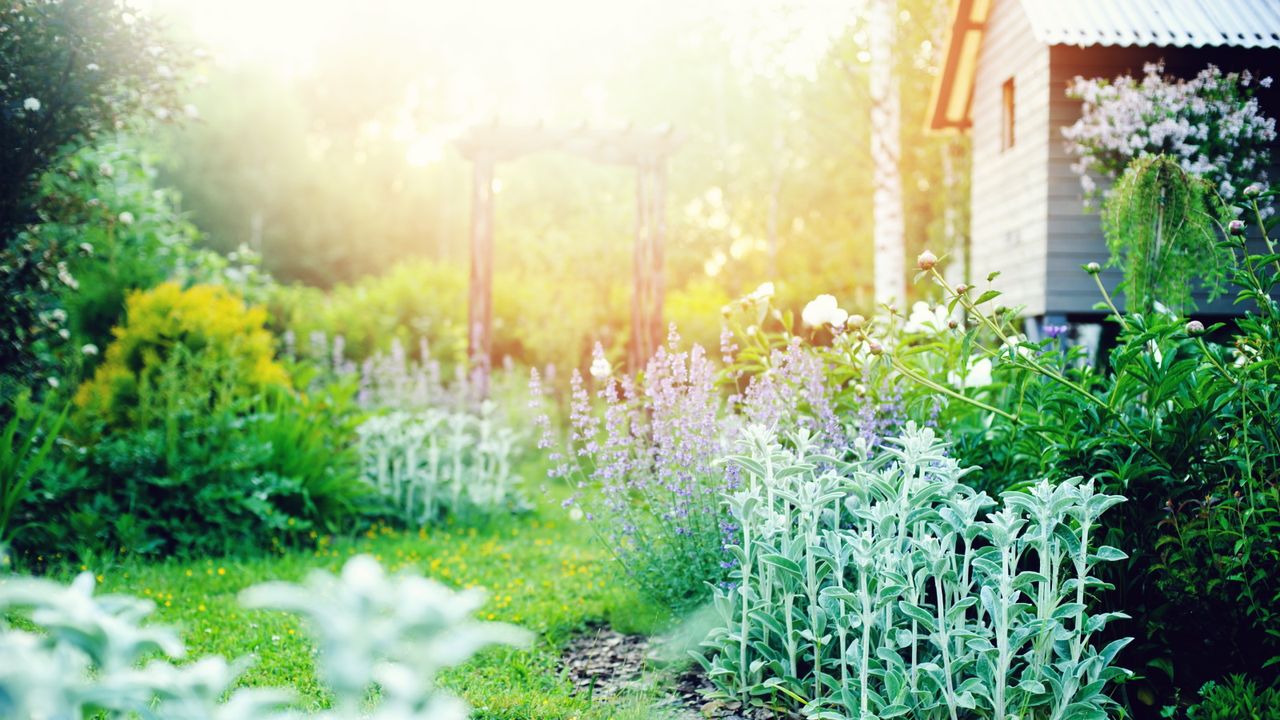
x=435 y=462
x=1211 y=124
x=886 y=588
x=371 y=628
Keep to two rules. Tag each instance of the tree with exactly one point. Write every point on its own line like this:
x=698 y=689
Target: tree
x=889 y=229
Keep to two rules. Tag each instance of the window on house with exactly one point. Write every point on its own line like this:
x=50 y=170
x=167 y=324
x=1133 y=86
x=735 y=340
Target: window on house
x=1006 y=115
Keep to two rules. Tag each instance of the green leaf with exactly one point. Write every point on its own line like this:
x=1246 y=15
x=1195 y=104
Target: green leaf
x=987 y=296
x=783 y=563
x=918 y=614
x=1106 y=553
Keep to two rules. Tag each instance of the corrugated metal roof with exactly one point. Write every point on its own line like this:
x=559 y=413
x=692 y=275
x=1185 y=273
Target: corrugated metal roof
x=1160 y=23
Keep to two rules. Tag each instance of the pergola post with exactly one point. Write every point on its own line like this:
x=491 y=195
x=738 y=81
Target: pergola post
x=647 y=152
x=480 y=301
x=648 y=283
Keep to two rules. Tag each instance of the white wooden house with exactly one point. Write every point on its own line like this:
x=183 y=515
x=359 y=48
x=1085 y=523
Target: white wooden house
x=1008 y=63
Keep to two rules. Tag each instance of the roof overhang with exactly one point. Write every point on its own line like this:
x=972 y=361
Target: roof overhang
x=952 y=100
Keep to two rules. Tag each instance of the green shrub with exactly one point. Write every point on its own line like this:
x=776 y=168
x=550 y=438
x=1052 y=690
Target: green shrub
x=1184 y=426
x=1238 y=698
x=260 y=475
x=538 y=320
x=193 y=443
x=167 y=329
x=419 y=300
x=68 y=70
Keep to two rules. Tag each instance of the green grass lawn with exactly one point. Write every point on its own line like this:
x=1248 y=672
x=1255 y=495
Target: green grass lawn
x=543 y=572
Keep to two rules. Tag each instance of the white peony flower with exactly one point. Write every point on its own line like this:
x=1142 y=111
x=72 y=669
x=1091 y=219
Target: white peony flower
x=979 y=375
x=764 y=293
x=924 y=319
x=1014 y=344
x=823 y=310
x=31 y=104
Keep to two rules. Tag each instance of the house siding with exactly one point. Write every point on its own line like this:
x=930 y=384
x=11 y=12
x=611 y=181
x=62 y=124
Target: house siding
x=1010 y=186
x=1074 y=235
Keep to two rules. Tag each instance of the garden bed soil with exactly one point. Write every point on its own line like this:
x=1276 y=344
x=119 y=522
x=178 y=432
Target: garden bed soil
x=605 y=664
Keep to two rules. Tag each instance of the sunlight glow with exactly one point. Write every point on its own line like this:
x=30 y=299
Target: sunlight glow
x=519 y=61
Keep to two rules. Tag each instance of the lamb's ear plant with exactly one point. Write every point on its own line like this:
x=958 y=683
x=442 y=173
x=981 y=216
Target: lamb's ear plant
x=877 y=588
x=437 y=462
x=87 y=659
x=395 y=631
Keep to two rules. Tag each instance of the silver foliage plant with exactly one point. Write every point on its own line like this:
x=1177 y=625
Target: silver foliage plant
x=437 y=462
x=883 y=587
x=395 y=631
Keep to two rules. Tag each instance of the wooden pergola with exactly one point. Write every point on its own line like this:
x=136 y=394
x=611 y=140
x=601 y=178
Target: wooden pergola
x=645 y=150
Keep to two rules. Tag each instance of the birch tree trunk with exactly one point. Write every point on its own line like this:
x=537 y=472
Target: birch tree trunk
x=889 y=229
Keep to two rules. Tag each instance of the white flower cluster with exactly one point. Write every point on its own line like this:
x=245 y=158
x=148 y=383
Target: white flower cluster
x=1211 y=124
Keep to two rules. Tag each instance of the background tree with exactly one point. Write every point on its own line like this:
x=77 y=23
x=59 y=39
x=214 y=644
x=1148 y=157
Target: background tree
x=890 y=251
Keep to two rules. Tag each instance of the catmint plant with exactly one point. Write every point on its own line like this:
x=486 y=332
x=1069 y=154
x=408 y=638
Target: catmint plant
x=884 y=587
x=641 y=468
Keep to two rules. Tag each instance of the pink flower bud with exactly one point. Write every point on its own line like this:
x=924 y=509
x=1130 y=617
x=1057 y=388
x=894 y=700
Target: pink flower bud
x=926 y=260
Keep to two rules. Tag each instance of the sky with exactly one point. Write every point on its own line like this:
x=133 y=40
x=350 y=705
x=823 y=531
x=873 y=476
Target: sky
x=512 y=58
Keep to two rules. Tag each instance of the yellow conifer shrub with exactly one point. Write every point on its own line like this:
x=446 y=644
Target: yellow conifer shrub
x=204 y=333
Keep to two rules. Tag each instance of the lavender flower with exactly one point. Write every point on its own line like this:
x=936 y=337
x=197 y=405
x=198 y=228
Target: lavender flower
x=1053 y=332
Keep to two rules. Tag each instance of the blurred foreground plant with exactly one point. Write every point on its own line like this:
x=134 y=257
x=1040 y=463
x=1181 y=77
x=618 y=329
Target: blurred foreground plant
x=395 y=631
